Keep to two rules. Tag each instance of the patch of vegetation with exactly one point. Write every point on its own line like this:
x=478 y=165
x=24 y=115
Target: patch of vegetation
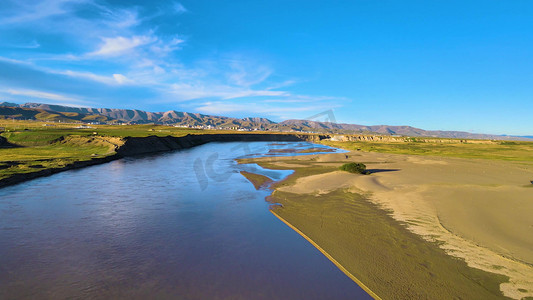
x=510 y=151
x=32 y=159
x=353 y=167
x=44 y=145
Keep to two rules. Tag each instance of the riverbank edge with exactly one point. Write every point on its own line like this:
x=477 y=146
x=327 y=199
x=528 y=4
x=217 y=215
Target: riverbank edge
x=134 y=146
x=328 y=256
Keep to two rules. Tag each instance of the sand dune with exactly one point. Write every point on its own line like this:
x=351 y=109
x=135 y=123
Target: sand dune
x=479 y=209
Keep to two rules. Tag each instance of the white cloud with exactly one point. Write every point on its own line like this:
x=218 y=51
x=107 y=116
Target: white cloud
x=115 y=79
x=29 y=12
x=119 y=45
x=25 y=45
x=162 y=48
x=246 y=75
x=15 y=61
x=119 y=18
x=121 y=79
x=286 y=101
x=86 y=75
x=219 y=107
x=42 y=95
x=186 y=91
x=122 y=48
x=179 y=8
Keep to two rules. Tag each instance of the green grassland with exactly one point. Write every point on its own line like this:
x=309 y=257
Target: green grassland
x=35 y=146
x=31 y=159
x=30 y=133
x=512 y=151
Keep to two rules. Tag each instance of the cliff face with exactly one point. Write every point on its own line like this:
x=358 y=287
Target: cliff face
x=4 y=143
x=392 y=139
x=151 y=144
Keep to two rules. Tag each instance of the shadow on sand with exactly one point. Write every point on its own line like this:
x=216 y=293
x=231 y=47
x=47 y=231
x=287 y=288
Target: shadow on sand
x=372 y=171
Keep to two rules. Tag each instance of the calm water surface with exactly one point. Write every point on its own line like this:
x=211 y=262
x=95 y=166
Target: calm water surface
x=181 y=225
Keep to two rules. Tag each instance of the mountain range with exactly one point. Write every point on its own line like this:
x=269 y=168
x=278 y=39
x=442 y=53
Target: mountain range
x=49 y=112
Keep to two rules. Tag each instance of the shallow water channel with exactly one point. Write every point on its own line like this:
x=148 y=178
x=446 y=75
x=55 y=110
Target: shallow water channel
x=179 y=225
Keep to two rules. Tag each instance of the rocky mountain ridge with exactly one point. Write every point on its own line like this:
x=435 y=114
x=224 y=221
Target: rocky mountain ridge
x=49 y=112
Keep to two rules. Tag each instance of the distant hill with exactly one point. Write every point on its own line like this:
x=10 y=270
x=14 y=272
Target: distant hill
x=22 y=113
x=389 y=130
x=40 y=111
x=9 y=104
x=48 y=112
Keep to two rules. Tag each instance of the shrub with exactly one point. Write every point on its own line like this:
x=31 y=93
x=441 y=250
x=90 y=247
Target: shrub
x=358 y=168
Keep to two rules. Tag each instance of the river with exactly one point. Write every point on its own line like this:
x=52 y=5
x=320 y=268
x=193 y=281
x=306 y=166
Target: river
x=178 y=225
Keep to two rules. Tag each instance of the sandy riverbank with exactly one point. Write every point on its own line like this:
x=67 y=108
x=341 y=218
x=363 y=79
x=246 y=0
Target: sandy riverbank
x=477 y=210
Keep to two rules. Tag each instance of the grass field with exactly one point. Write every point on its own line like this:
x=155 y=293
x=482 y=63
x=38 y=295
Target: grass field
x=29 y=133
x=513 y=151
x=40 y=145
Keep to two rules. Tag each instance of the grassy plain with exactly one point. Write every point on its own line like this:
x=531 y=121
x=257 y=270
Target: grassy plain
x=35 y=146
x=500 y=150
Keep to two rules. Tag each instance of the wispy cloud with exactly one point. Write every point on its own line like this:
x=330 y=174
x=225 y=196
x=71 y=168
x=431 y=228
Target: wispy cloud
x=14 y=61
x=215 y=107
x=199 y=91
x=179 y=8
x=119 y=45
x=162 y=48
x=42 y=95
x=124 y=52
x=24 y=45
x=114 y=79
x=27 y=12
x=121 y=79
x=246 y=73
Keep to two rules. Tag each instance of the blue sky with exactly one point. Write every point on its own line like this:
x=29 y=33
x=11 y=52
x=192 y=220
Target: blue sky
x=450 y=65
